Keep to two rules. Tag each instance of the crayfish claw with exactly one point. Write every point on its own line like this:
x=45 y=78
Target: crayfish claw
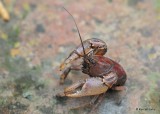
x=91 y=86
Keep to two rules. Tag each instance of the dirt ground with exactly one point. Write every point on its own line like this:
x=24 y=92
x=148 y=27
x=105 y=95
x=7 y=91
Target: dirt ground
x=41 y=34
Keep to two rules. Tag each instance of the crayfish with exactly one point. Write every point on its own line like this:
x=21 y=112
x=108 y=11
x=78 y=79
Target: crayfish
x=104 y=73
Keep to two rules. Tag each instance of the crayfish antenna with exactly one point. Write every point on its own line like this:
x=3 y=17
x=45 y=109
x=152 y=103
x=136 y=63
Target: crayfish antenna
x=78 y=31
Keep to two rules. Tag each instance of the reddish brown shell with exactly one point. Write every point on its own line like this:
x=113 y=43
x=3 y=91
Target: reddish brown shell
x=103 y=66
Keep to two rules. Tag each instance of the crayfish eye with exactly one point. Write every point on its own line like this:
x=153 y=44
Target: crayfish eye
x=92 y=46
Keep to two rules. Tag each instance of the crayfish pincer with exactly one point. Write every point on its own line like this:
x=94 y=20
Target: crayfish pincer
x=104 y=73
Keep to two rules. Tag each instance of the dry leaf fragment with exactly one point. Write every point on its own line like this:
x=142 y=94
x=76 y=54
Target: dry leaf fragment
x=14 y=52
x=3 y=12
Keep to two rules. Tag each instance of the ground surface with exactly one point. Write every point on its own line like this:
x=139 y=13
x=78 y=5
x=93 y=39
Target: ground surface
x=41 y=34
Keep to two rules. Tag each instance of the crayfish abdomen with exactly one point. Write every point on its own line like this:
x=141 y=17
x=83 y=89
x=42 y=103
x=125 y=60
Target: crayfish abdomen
x=104 y=65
